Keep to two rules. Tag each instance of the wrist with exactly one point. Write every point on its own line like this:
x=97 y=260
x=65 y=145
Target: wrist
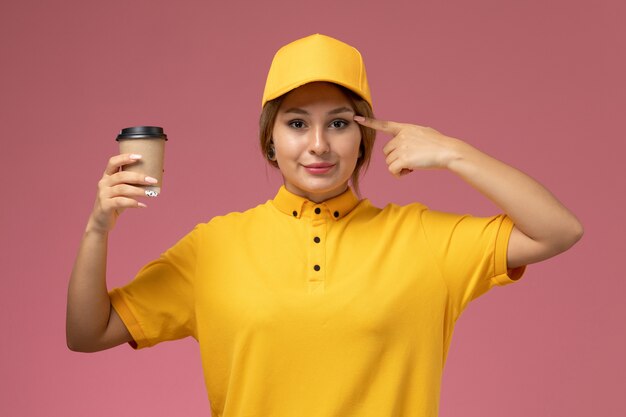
x=95 y=227
x=457 y=152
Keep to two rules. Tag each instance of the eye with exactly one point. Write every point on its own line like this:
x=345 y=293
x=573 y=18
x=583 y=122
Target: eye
x=296 y=124
x=338 y=124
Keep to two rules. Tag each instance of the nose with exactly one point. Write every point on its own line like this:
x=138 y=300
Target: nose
x=318 y=142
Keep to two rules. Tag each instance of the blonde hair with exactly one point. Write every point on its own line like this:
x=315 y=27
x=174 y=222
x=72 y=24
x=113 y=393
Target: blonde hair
x=360 y=107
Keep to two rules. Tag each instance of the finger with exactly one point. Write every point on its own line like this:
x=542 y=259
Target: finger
x=129 y=177
x=121 y=203
x=397 y=165
x=118 y=161
x=391 y=158
x=390 y=146
x=396 y=168
x=385 y=126
x=125 y=190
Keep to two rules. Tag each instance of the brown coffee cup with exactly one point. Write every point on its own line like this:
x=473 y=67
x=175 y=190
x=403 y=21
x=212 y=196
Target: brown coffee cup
x=149 y=142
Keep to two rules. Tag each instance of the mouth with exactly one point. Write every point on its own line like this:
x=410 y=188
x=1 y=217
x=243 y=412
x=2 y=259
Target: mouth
x=319 y=168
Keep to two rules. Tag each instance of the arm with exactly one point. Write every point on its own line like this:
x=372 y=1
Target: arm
x=543 y=226
x=91 y=323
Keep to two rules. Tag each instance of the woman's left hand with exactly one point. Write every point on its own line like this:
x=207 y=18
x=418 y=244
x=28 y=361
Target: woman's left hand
x=412 y=147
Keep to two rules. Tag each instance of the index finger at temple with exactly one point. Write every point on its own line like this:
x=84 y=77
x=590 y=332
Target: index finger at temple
x=380 y=125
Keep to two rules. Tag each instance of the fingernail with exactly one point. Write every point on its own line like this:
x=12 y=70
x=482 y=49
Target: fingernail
x=151 y=180
x=134 y=156
x=141 y=205
x=151 y=193
x=359 y=118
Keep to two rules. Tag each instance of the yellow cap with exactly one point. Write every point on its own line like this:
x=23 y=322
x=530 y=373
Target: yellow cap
x=316 y=58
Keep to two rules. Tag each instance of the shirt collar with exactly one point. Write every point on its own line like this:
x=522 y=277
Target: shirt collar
x=294 y=205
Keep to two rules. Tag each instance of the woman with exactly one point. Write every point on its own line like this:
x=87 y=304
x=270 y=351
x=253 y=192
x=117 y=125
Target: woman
x=316 y=302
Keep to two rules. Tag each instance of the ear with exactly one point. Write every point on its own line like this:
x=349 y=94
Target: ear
x=271 y=152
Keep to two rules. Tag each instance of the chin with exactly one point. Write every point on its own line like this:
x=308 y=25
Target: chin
x=325 y=192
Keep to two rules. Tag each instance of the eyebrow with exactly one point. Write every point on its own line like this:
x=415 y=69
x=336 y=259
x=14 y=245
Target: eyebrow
x=335 y=111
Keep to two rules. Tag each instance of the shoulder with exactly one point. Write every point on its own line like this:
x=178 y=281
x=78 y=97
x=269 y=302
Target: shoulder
x=393 y=211
x=391 y=216
x=259 y=214
x=230 y=227
x=421 y=215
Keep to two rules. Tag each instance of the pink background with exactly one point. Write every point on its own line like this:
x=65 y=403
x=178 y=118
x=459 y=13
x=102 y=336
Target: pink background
x=536 y=83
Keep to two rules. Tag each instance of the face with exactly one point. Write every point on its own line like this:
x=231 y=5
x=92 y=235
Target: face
x=316 y=141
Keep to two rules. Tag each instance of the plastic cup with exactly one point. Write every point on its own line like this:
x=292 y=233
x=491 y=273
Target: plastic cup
x=149 y=142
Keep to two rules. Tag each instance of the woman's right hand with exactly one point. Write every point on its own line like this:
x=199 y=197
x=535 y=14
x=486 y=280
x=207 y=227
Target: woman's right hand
x=117 y=191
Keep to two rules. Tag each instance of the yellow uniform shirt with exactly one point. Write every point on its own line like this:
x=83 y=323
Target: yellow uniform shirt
x=328 y=310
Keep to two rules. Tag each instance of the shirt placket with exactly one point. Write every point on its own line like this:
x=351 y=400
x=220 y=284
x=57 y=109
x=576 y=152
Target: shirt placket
x=316 y=266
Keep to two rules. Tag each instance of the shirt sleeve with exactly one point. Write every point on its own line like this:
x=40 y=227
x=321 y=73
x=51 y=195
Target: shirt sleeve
x=471 y=253
x=158 y=304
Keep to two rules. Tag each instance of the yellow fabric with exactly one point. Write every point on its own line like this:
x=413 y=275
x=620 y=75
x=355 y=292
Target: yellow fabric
x=365 y=335
x=316 y=58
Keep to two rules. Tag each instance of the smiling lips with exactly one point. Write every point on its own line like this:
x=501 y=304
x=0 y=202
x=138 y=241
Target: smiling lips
x=319 y=168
